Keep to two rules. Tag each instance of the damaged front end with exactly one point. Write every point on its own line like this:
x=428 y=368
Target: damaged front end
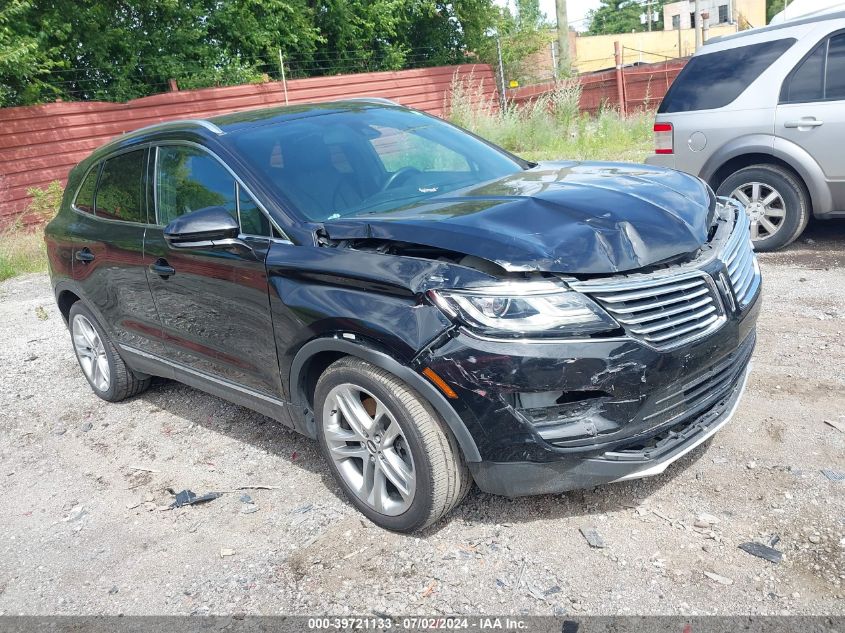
x=565 y=381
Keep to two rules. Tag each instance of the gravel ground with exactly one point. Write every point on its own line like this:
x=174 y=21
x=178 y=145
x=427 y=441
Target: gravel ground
x=86 y=530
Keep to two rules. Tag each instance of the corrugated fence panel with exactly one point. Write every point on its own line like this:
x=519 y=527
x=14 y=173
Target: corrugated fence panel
x=39 y=144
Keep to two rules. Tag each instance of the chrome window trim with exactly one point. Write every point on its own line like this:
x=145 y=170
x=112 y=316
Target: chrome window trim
x=239 y=184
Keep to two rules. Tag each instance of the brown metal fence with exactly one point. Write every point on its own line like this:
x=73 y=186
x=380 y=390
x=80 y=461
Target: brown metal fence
x=39 y=144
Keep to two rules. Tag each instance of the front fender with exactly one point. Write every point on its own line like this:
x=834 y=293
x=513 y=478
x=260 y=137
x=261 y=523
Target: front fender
x=380 y=359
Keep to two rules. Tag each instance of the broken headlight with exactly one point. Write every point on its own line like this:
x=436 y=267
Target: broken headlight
x=528 y=308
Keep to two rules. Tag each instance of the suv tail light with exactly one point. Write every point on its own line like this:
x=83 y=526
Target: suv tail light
x=663 y=138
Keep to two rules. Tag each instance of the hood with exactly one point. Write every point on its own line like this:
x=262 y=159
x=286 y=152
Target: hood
x=587 y=218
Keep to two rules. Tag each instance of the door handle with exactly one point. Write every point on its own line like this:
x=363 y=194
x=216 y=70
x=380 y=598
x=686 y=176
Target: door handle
x=162 y=268
x=808 y=122
x=85 y=256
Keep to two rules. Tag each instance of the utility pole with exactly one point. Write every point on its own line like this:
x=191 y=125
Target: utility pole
x=563 y=61
x=648 y=10
x=695 y=25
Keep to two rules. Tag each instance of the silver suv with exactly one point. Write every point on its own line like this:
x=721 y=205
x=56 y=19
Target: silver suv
x=760 y=116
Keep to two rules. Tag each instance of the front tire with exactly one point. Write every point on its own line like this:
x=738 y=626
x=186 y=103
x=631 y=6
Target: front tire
x=776 y=202
x=387 y=448
x=104 y=369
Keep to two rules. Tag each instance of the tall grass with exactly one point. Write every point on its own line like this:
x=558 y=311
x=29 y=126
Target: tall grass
x=552 y=127
x=22 y=248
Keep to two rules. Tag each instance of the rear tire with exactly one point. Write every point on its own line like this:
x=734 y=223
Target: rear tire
x=776 y=202
x=101 y=365
x=391 y=425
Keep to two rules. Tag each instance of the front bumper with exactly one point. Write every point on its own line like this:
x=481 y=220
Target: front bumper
x=513 y=479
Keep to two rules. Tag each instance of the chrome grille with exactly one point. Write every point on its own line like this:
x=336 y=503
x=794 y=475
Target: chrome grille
x=741 y=262
x=664 y=311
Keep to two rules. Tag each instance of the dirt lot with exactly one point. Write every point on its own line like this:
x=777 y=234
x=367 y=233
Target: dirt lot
x=84 y=486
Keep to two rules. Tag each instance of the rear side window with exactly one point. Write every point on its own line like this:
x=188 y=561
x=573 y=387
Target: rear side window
x=188 y=180
x=821 y=76
x=85 y=196
x=835 y=84
x=120 y=193
x=714 y=80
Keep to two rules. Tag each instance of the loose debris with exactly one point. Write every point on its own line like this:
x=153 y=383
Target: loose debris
x=762 y=551
x=722 y=580
x=226 y=551
x=705 y=520
x=833 y=475
x=836 y=424
x=41 y=313
x=189 y=498
x=593 y=537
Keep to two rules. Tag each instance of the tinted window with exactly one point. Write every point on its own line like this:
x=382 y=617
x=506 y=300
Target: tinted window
x=835 y=85
x=85 y=196
x=253 y=221
x=120 y=193
x=188 y=179
x=807 y=81
x=366 y=160
x=715 y=79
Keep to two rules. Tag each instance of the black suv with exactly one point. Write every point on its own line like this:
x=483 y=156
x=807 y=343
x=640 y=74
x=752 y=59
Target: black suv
x=434 y=310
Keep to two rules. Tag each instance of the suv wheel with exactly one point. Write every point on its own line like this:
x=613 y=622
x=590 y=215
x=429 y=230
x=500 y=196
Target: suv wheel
x=106 y=372
x=775 y=201
x=387 y=447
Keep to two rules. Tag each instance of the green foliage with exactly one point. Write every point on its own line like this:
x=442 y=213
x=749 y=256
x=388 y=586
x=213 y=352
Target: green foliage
x=774 y=7
x=622 y=16
x=552 y=127
x=22 y=248
x=44 y=203
x=123 y=49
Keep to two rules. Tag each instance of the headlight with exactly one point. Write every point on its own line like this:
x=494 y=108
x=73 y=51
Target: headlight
x=514 y=309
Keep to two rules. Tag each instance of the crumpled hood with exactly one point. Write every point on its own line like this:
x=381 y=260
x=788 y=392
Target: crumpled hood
x=587 y=218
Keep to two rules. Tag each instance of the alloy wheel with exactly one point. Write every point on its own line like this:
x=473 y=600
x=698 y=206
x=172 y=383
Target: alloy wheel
x=369 y=449
x=764 y=206
x=91 y=353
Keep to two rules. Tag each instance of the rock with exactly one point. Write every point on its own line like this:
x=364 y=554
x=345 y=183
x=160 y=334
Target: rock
x=814 y=539
x=249 y=508
x=225 y=551
x=592 y=537
x=751 y=465
x=86 y=427
x=705 y=520
x=722 y=580
x=113 y=590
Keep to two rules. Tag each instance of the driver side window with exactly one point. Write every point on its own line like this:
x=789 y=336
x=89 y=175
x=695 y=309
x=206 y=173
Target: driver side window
x=188 y=179
x=398 y=149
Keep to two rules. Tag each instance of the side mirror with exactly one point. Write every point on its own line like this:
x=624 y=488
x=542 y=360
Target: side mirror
x=205 y=228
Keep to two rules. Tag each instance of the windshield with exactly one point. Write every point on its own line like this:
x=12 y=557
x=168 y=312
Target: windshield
x=368 y=160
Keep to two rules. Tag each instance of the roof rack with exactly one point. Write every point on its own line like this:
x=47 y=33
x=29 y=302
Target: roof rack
x=380 y=100
x=780 y=25
x=208 y=125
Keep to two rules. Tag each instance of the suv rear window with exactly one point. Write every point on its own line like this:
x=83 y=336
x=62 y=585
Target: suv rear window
x=715 y=79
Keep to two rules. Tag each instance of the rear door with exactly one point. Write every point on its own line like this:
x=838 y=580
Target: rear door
x=109 y=221
x=213 y=303
x=811 y=112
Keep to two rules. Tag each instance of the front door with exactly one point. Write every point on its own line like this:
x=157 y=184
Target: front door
x=213 y=302
x=108 y=227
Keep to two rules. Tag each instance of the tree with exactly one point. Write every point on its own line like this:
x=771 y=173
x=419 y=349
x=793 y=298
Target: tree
x=773 y=7
x=623 y=16
x=122 y=49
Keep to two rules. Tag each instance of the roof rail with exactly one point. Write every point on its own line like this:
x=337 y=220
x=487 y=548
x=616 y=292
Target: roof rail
x=776 y=27
x=164 y=125
x=380 y=100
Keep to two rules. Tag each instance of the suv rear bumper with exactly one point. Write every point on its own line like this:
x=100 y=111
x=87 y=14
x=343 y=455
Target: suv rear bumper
x=513 y=479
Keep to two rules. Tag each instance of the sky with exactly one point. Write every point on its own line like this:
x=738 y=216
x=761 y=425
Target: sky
x=576 y=10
